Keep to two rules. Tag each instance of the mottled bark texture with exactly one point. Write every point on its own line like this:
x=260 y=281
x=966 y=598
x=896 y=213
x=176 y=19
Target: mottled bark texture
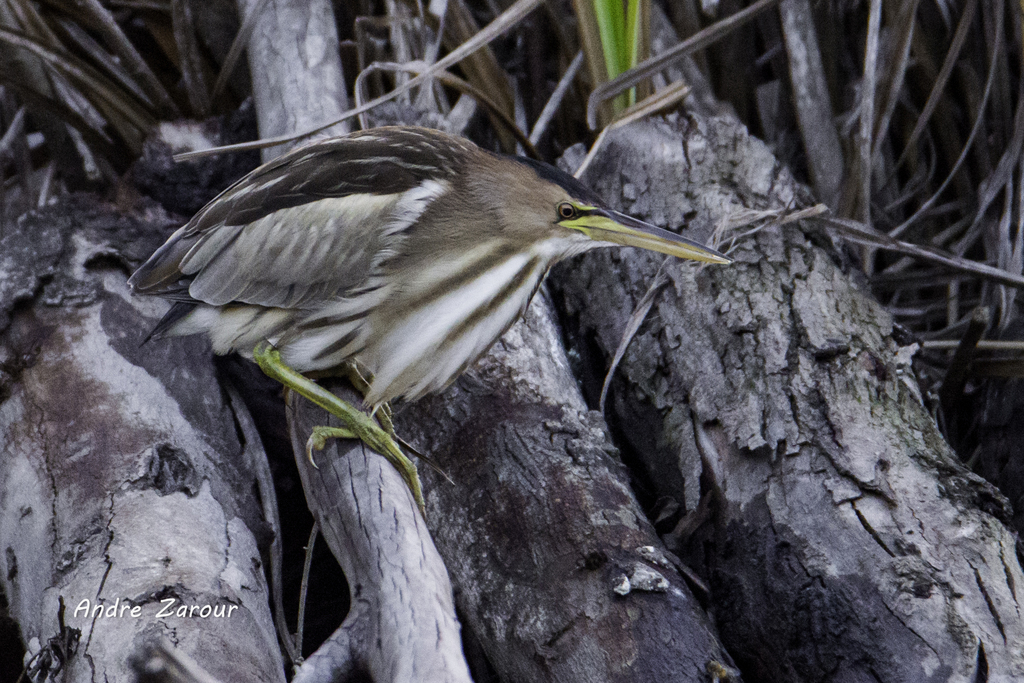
x=121 y=475
x=846 y=542
x=556 y=571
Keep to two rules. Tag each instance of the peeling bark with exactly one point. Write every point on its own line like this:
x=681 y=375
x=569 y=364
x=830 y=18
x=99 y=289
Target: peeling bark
x=120 y=477
x=847 y=543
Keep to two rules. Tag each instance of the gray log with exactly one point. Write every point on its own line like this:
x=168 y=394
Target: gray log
x=846 y=543
x=295 y=68
x=402 y=624
x=121 y=478
x=557 y=572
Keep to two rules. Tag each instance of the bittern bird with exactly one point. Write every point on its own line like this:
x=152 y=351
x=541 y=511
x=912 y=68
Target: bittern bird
x=403 y=252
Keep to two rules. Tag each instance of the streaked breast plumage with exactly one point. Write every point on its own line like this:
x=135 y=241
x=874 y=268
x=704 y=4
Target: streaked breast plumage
x=329 y=269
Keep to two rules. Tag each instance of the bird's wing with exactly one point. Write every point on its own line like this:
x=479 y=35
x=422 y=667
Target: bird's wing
x=308 y=227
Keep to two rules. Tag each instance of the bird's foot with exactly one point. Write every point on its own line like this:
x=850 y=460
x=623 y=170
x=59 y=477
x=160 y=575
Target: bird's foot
x=318 y=439
x=357 y=424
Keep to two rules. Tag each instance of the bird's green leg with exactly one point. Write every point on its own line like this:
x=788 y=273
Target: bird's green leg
x=358 y=424
x=351 y=372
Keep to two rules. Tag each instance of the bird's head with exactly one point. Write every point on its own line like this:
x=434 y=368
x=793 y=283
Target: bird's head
x=547 y=196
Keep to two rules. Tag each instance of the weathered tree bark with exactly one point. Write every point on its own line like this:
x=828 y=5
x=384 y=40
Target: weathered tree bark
x=402 y=624
x=121 y=481
x=846 y=542
x=556 y=570
x=297 y=80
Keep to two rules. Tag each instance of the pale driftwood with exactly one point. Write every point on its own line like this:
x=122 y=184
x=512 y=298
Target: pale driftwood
x=297 y=81
x=846 y=541
x=121 y=476
x=402 y=624
x=556 y=570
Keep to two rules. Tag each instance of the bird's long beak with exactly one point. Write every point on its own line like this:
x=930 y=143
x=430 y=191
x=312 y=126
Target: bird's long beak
x=605 y=225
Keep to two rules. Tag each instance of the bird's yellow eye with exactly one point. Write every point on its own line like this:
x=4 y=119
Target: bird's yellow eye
x=567 y=211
